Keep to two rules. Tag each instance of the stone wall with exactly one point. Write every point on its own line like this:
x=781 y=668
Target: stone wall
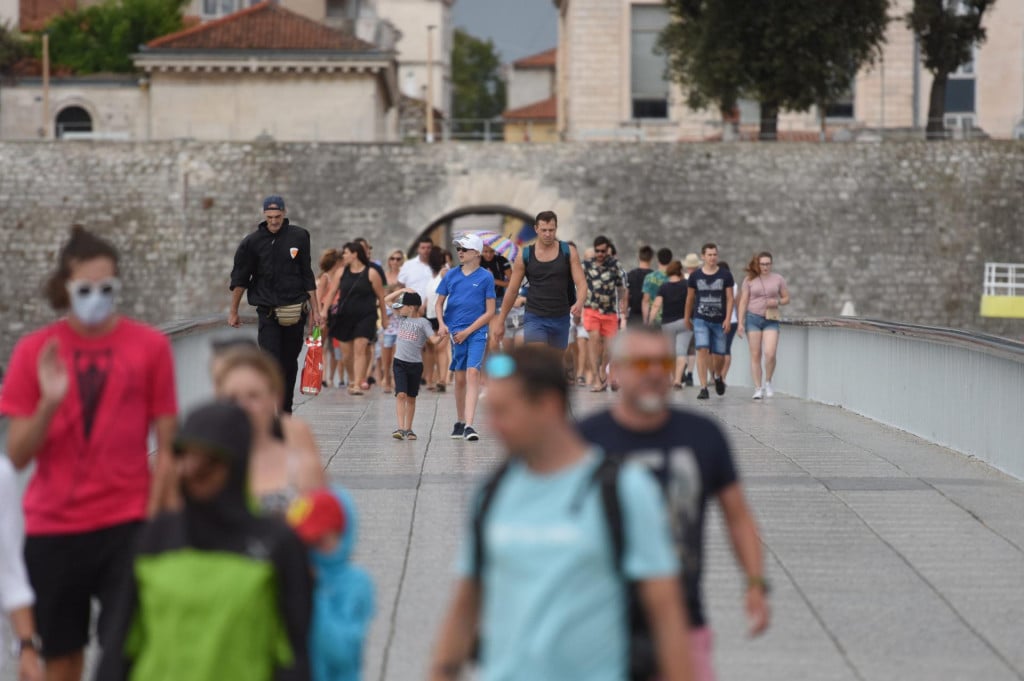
x=901 y=230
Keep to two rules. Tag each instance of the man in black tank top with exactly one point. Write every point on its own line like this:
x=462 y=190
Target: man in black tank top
x=552 y=267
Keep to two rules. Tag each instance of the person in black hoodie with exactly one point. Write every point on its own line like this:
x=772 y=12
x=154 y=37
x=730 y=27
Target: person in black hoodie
x=218 y=594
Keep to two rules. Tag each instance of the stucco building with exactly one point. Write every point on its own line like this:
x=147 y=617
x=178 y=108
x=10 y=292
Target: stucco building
x=611 y=84
x=532 y=108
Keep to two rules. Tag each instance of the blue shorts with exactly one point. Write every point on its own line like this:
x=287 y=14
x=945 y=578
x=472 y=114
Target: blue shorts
x=390 y=339
x=552 y=331
x=709 y=336
x=756 y=322
x=470 y=353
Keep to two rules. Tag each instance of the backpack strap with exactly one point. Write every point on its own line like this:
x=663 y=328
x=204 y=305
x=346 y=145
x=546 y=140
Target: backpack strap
x=490 y=488
x=566 y=250
x=527 y=252
x=607 y=477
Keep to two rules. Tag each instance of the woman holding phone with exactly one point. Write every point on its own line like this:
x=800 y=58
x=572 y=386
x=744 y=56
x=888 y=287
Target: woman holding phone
x=761 y=296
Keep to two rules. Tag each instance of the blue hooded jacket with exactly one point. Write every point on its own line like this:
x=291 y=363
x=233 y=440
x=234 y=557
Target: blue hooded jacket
x=342 y=605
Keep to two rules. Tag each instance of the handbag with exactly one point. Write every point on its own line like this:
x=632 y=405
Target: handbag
x=313 y=368
x=289 y=315
x=772 y=314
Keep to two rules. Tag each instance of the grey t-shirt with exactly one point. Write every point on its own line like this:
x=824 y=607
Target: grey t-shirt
x=413 y=333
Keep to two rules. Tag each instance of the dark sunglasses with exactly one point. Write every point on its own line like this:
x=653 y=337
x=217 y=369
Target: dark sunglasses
x=460 y=249
x=647 y=363
x=394 y=257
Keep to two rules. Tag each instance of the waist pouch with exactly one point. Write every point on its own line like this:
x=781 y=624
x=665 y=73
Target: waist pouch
x=289 y=315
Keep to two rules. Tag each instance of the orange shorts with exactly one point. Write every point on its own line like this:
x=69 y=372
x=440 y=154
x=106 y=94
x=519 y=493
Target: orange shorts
x=605 y=324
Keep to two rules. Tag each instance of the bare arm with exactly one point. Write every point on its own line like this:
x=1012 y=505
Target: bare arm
x=727 y=324
x=458 y=632
x=580 y=279
x=333 y=282
x=663 y=604
x=24 y=627
x=746 y=544
x=378 y=290
x=442 y=328
x=784 y=295
x=236 y=300
x=28 y=433
x=655 y=308
x=395 y=295
x=645 y=306
x=688 y=315
x=163 y=492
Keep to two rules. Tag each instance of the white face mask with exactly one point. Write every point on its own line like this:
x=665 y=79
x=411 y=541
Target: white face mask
x=93 y=303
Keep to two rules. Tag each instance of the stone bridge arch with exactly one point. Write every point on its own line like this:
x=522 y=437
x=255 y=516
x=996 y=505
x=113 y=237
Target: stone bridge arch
x=472 y=191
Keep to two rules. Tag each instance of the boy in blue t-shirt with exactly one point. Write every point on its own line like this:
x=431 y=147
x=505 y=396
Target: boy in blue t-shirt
x=469 y=291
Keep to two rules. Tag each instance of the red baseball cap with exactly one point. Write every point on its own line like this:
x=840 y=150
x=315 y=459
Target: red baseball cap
x=315 y=514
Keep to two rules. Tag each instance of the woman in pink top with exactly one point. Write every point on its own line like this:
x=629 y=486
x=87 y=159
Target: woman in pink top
x=762 y=294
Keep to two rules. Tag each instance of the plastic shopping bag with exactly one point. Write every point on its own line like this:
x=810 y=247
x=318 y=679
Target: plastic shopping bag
x=313 y=370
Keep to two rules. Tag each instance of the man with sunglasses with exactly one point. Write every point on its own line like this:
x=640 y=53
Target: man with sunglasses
x=538 y=577
x=691 y=458
x=605 y=309
x=82 y=395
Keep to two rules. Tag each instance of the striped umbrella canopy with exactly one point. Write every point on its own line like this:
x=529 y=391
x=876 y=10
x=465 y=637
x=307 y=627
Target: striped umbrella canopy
x=505 y=247
x=489 y=238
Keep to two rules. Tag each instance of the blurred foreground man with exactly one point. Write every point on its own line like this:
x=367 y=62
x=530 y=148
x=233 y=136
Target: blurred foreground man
x=541 y=591
x=690 y=456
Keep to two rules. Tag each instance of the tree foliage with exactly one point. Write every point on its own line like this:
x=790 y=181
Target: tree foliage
x=103 y=38
x=948 y=31
x=785 y=54
x=13 y=48
x=479 y=91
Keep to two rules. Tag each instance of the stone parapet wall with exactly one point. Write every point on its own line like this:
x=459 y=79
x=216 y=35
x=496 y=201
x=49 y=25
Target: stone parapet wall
x=901 y=230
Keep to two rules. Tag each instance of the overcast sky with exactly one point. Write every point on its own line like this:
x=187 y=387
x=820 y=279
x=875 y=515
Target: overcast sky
x=517 y=27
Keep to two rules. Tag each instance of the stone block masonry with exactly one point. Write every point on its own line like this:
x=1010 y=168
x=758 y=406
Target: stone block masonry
x=901 y=230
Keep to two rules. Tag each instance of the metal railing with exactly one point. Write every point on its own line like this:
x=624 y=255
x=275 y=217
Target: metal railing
x=1004 y=279
x=957 y=389
x=457 y=130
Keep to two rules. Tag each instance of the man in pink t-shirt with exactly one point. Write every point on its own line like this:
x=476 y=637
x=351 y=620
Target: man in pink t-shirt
x=82 y=395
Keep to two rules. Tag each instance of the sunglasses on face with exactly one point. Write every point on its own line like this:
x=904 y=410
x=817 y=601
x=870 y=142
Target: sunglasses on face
x=394 y=257
x=107 y=287
x=460 y=249
x=648 y=363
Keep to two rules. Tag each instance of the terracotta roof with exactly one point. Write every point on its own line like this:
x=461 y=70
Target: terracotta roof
x=546 y=59
x=262 y=27
x=33 y=14
x=546 y=110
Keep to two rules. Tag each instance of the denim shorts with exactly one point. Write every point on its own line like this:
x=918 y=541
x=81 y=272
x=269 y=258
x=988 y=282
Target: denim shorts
x=756 y=322
x=709 y=336
x=390 y=339
x=552 y=331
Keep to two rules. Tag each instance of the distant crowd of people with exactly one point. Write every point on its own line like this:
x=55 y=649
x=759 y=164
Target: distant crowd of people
x=227 y=554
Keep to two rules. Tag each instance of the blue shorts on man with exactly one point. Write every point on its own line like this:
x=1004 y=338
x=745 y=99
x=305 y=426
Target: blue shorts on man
x=552 y=331
x=469 y=354
x=709 y=335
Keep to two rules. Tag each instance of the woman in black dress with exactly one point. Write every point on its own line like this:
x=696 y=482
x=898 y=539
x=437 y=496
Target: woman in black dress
x=354 y=322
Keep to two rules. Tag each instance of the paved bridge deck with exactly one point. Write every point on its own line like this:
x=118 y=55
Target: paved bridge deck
x=891 y=558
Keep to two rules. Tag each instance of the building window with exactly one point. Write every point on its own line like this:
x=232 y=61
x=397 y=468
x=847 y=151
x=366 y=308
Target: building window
x=647 y=69
x=212 y=9
x=961 y=89
x=73 y=119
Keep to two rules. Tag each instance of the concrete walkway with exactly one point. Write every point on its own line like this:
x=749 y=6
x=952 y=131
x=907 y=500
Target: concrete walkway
x=890 y=558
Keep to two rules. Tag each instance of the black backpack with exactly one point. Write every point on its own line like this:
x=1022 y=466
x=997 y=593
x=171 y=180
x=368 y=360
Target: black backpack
x=642 y=657
x=567 y=254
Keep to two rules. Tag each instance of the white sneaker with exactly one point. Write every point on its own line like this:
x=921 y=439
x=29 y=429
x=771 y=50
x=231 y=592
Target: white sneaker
x=759 y=393
x=768 y=392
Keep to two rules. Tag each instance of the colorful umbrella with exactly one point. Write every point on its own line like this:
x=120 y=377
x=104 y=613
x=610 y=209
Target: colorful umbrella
x=506 y=247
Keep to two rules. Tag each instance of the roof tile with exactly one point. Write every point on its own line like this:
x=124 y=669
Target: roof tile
x=262 y=27
x=538 y=111
x=546 y=59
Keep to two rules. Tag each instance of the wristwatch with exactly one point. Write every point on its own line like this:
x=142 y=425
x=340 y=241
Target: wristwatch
x=33 y=643
x=758 y=581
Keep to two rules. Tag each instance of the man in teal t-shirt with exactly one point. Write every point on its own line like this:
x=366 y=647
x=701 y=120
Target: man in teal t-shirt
x=653 y=282
x=550 y=603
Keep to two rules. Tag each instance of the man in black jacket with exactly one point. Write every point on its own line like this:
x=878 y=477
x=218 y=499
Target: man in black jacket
x=273 y=264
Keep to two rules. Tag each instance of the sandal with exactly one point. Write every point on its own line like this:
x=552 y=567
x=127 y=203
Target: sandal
x=354 y=391
x=409 y=435
x=604 y=386
x=580 y=381
x=441 y=387
x=398 y=435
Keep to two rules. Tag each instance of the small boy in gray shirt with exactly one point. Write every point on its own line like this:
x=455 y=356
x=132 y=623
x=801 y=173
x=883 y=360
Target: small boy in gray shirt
x=413 y=333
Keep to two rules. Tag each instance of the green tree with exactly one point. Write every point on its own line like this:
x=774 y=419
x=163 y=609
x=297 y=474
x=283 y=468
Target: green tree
x=786 y=54
x=13 y=48
x=479 y=91
x=948 y=31
x=103 y=38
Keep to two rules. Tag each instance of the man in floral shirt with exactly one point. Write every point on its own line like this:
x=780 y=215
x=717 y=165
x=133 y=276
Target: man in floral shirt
x=605 y=307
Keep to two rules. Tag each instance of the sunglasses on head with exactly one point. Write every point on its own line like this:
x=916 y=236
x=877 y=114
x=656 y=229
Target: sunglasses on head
x=107 y=287
x=648 y=363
